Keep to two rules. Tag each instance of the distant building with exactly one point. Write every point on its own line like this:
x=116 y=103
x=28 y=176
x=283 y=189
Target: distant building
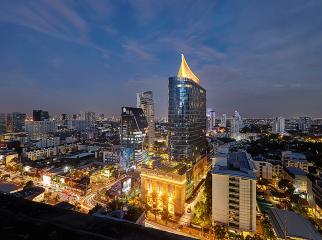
x=236 y=125
x=290 y=225
x=304 y=123
x=212 y=115
x=15 y=122
x=292 y=159
x=145 y=101
x=234 y=192
x=223 y=122
x=264 y=170
x=298 y=178
x=2 y=123
x=278 y=125
x=88 y=116
x=40 y=115
x=186 y=116
x=132 y=132
x=40 y=129
x=291 y=125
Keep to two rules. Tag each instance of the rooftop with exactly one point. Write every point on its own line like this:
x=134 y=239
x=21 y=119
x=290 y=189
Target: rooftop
x=239 y=164
x=185 y=71
x=296 y=171
x=288 y=224
x=20 y=218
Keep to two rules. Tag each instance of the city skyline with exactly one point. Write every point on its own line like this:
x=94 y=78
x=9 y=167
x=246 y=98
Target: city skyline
x=66 y=57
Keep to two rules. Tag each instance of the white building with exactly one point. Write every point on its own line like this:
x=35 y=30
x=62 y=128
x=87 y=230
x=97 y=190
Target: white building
x=145 y=101
x=39 y=129
x=234 y=192
x=88 y=116
x=278 y=125
x=223 y=121
x=304 y=123
x=264 y=170
x=236 y=125
x=48 y=142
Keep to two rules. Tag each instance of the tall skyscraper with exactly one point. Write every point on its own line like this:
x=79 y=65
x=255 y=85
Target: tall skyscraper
x=236 y=123
x=16 y=122
x=278 y=125
x=186 y=116
x=223 y=121
x=212 y=120
x=304 y=123
x=2 y=123
x=145 y=101
x=40 y=115
x=132 y=132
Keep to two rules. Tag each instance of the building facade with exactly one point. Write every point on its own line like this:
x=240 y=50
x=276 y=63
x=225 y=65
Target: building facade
x=40 y=115
x=145 y=101
x=132 y=133
x=186 y=116
x=278 y=125
x=234 y=192
x=292 y=159
x=15 y=122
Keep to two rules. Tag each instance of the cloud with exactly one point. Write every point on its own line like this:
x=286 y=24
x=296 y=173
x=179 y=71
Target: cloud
x=133 y=48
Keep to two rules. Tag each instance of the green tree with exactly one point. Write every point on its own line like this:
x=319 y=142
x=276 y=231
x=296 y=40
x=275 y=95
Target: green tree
x=28 y=184
x=155 y=212
x=220 y=232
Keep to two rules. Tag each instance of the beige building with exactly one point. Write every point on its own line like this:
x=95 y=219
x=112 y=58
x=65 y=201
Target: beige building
x=234 y=192
x=161 y=189
x=170 y=184
x=264 y=170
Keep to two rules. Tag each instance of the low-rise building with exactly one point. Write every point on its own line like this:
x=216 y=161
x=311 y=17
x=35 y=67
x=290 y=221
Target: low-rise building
x=264 y=170
x=298 y=178
x=292 y=159
x=290 y=225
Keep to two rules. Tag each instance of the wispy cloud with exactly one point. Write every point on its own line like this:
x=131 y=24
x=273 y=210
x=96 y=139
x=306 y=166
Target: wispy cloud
x=133 y=48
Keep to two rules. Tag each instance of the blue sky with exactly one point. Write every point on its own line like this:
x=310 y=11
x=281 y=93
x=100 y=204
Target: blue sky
x=263 y=58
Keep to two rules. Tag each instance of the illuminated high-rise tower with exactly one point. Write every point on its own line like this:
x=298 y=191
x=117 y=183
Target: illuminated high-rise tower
x=186 y=116
x=145 y=101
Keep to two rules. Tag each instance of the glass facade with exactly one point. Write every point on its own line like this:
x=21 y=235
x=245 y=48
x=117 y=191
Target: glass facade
x=132 y=132
x=187 y=120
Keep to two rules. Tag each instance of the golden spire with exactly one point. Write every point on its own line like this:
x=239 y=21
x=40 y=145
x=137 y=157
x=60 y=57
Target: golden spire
x=185 y=71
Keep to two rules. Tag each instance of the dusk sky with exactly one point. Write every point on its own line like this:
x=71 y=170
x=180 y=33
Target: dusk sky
x=262 y=58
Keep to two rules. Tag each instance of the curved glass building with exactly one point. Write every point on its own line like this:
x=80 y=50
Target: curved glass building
x=186 y=116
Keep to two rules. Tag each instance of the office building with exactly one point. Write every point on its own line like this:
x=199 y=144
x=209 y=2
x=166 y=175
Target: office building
x=15 y=122
x=223 y=121
x=212 y=120
x=40 y=115
x=234 y=192
x=132 y=133
x=40 y=129
x=2 y=123
x=304 y=123
x=236 y=123
x=186 y=116
x=88 y=116
x=145 y=101
x=292 y=159
x=278 y=125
